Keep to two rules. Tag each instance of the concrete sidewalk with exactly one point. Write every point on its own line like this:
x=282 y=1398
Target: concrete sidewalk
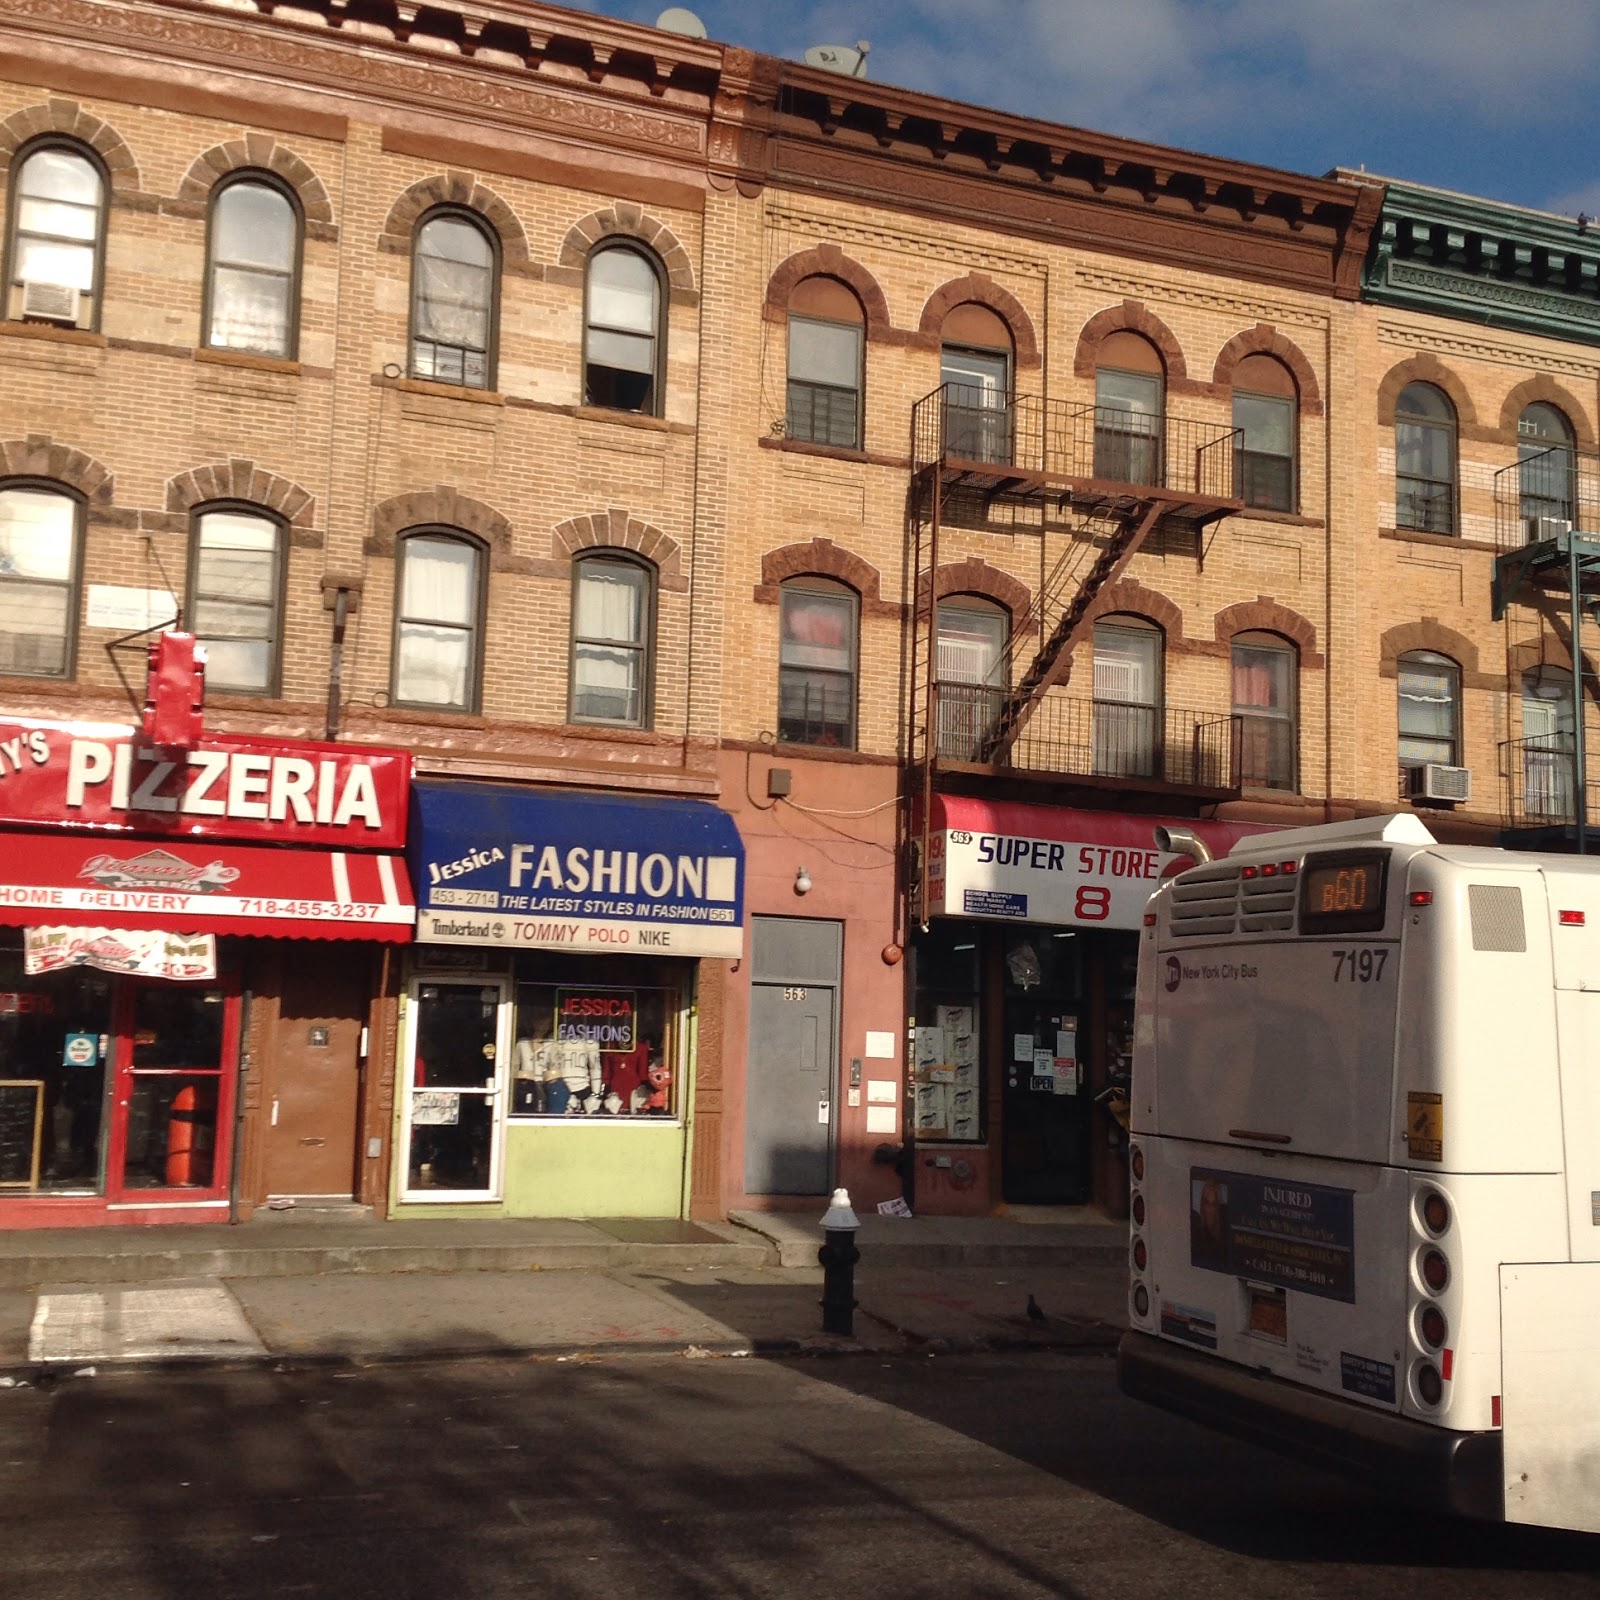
x=363 y=1293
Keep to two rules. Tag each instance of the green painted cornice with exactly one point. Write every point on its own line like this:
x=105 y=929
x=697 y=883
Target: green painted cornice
x=1497 y=265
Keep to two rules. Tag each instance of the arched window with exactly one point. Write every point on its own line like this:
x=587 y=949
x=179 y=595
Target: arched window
x=1430 y=709
x=622 y=342
x=253 y=268
x=438 y=622
x=1264 y=412
x=1128 y=660
x=971 y=665
x=1265 y=702
x=455 y=268
x=1545 y=467
x=612 y=602
x=1548 y=743
x=1424 y=460
x=40 y=547
x=975 y=364
x=236 y=597
x=1129 y=407
x=56 y=239
x=817 y=631
x=827 y=336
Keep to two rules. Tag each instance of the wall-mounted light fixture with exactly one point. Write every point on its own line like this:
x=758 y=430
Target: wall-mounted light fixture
x=802 y=882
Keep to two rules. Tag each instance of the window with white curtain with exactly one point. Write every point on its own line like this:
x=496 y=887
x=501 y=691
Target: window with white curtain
x=38 y=582
x=453 y=283
x=611 y=604
x=235 y=598
x=57 y=236
x=254 y=246
x=1128 y=655
x=1430 y=709
x=622 y=332
x=971 y=665
x=438 y=622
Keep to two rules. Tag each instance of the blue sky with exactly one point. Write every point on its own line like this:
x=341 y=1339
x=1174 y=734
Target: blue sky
x=1491 y=97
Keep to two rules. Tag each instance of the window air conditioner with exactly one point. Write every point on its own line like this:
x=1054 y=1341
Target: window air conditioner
x=1547 y=528
x=1433 y=781
x=53 y=302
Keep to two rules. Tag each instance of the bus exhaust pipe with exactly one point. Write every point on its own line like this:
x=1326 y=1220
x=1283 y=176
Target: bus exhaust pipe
x=1183 y=842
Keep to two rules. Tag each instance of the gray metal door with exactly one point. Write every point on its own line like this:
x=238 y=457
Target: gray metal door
x=793 y=1061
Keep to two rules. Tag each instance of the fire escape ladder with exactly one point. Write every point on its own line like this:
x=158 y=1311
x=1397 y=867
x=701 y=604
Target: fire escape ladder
x=1053 y=663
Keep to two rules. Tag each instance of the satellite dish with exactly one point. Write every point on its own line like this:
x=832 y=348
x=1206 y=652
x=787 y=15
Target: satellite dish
x=679 y=19
x=840 y=58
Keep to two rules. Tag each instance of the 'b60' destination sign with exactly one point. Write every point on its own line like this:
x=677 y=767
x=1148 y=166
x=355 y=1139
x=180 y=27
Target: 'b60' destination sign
x=229 y=786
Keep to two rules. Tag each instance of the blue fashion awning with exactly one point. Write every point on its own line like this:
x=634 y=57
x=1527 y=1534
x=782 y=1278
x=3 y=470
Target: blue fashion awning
x=542 y=869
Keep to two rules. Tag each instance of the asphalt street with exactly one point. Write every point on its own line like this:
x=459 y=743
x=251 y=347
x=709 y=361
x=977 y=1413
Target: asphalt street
x=985 y=1476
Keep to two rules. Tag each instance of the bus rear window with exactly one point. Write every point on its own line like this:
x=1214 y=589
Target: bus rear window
x=1343 y=891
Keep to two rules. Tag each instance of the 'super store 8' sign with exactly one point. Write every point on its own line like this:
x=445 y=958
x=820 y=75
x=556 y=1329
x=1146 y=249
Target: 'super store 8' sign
x=1020 y=863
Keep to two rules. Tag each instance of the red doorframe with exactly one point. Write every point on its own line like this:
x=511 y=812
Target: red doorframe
x=128 y=1077
x=120 y=1204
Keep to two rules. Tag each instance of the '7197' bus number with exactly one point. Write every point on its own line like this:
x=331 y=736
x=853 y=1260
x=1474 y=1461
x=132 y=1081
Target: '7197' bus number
x=1359 y=966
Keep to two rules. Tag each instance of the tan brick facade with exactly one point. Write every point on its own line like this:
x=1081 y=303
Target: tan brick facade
x=744 y=183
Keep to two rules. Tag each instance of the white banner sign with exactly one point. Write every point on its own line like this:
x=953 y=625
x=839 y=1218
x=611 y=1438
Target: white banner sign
x=143 y=952
x=581 y=933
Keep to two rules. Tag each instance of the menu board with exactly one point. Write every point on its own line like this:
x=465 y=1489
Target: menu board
x=21 y=1127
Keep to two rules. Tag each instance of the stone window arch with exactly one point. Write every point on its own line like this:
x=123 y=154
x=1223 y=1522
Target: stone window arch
x=460 y=191
x=625 y=220
x=829 y=261
x=823 y=558
x=442 y=507
x=618 y=530
x=66 y=119
x=262 y=153
x=976 y=289
x=1132 y=316
x=240 y=479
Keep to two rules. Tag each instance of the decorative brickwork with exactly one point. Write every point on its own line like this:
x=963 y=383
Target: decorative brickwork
x=1542 y=387
x=66 y=118
x=241 y=479
x=1548 y=650
x=1431 y=634
x=457 y=189
x=617 y=530
x=1132 y=316
x=1425 y=368
x=977 y=289
x=629 y=221
x=822 y=558
x=829 y=261
x=1265 y=615
x=1265 y=340
x=1129 y=597
x=976 y=576
x=39 y=456
x=258 y=152
x=443 y=507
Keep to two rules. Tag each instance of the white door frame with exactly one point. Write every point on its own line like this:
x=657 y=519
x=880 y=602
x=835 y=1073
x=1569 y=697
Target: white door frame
x=496 y=1095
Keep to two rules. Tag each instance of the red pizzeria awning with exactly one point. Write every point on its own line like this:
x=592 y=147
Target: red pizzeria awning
x=194 y=886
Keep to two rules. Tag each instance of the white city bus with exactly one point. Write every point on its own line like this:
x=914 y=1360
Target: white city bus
x=1365 y=1162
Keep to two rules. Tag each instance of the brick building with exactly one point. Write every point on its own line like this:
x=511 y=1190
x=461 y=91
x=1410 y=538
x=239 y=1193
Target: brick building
x=805 y=536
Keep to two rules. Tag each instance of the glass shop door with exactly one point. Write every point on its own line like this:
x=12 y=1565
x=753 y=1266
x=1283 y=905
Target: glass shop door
x=456 y=1038
x=175 y=1047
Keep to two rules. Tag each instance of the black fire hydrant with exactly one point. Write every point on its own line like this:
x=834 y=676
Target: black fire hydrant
x=838 y=1257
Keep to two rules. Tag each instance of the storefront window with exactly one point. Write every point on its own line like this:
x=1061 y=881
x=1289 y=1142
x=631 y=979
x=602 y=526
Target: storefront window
x=948 y=1075
x=587 y=1050
x=54 y=1045
x=176 y=1043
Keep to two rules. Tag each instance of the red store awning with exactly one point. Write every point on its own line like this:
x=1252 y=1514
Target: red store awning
x=200 y=887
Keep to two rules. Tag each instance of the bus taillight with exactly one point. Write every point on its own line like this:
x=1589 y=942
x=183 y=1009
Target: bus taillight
x=1136 y=1163
x=1138 y=1210
x=1435 y=1212
x=1430 y=1386
x=1432 y=1326
x=1141 y=1256
x=1435 y=1271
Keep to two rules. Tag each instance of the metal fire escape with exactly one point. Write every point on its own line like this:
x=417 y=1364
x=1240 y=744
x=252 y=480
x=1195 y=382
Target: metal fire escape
x=1097 y=482
x=1547 y=546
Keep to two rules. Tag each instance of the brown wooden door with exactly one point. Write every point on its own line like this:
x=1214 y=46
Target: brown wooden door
x=312 y=1113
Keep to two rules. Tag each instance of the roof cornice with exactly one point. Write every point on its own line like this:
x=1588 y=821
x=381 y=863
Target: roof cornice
x=1485 y=262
